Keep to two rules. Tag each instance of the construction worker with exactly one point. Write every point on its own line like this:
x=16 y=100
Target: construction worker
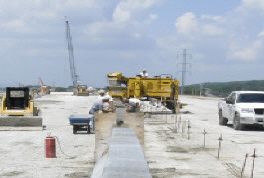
x=133 y=104
x=144 y=73
x=105 y=101
x=97 y=106
x=101 y=96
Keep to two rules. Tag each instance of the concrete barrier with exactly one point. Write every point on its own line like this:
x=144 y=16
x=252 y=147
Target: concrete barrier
x=105 y=122
x=125 y=157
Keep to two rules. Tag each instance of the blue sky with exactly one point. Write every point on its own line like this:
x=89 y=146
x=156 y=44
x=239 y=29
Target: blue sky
x=225 y=39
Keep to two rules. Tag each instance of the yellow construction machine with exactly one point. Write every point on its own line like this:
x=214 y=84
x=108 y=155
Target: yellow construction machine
x=44 y=89
x=81 y=90
x=162 y=87
x=18 y=109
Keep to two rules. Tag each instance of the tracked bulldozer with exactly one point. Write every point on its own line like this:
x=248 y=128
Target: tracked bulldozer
x=18 y=109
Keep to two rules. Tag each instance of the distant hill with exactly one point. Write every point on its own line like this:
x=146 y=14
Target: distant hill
x=222 y=89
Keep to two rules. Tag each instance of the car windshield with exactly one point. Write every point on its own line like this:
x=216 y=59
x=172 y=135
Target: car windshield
x=251 y=98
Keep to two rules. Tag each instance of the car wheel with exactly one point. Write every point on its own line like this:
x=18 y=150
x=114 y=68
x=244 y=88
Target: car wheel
x=222 y=120
x=236 y=123
x=88 y=129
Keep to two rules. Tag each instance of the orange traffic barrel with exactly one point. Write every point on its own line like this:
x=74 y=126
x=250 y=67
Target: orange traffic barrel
x=50 y=144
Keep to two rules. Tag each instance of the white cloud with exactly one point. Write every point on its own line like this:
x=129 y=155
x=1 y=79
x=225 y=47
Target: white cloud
x=98 y=28
x=126 y=27
x=80 y=3
x=40 y=6
x=212 y=17
x=248 y=53
x=17 y=25
x=186 y=23
x=212 y=30
x=197 y=27
x=127 y=23
x=253 y=4
x=121 y=14
x=36 y=16
x=261 y=34
x=136 y=35
x=153 y=16
x=127 y=8
x=224 y=34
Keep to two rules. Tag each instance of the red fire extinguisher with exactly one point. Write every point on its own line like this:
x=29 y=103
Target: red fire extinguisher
x=50 y=145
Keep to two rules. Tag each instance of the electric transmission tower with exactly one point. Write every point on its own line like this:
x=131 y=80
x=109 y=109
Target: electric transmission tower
x=185 y=68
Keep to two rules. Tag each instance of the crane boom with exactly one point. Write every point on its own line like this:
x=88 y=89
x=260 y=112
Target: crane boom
x=41 y=82
x=74 y=75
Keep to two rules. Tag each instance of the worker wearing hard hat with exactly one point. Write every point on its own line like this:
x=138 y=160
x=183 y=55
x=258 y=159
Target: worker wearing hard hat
x=101 y=96
x=144 y=73
x=106 y=101
x=98 y=104
x=133 y=104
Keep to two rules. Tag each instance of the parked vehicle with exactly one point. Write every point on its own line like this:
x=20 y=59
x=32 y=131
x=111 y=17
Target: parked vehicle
x=242 y=108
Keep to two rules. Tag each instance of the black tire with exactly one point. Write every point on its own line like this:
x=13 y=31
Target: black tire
x=35 y=111
x=88 y=129
x=171 y=106
x=236 y=123
x=222 y=120
x=75 y=128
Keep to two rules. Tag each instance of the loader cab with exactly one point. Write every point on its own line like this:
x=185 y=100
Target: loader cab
x=17 y=98
x=82 y=88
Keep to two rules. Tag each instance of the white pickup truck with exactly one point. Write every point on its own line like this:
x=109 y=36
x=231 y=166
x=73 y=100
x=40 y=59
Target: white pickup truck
x=241 y=108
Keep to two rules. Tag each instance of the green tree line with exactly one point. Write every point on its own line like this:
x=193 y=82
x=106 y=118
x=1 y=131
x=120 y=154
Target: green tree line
x=222 y=89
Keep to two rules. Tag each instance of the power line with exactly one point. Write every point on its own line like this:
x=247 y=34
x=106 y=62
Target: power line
x=184 y=68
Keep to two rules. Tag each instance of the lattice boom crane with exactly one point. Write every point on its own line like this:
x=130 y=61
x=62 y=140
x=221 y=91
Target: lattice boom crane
x=74 y=75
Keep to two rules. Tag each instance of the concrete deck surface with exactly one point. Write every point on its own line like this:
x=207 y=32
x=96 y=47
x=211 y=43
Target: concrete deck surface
x=22 y=152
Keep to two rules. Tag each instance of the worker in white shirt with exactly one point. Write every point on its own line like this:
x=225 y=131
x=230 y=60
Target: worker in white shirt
x=98 y=104
x=133 y=105
x=106 y=101
x=100 y=96
x=144 y=73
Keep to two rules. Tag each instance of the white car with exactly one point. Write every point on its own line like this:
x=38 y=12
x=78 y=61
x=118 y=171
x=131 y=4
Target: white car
x=242 y=108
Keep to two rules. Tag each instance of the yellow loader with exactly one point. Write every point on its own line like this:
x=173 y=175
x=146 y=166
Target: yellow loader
x=17 y=109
